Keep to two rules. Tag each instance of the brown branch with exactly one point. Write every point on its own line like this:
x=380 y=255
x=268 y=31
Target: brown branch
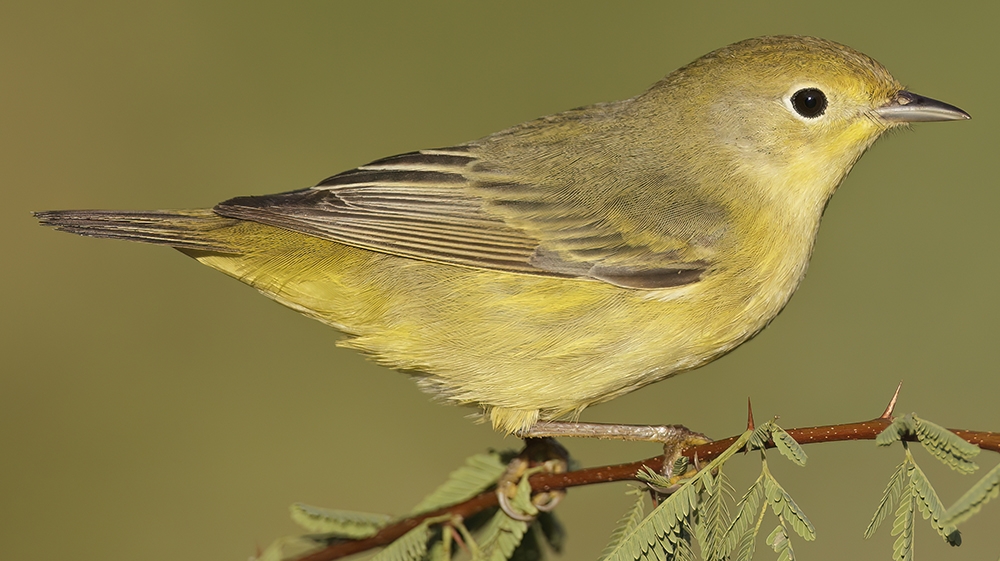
x=866 y=430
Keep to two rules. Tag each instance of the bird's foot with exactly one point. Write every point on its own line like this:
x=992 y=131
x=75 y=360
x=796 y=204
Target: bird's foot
x=539 y=454
x=674 y=438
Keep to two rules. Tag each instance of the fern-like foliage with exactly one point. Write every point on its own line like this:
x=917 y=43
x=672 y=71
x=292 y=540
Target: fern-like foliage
x=502 y=534
x=698 y=511
x=785 y=508
x=903 y=527
x=694 y=514
x=973 y=500
x=912 y=490
x=338 y=523
x=760 y=436
x=893 y=490
x=626 y=524
x=779 y=542
x=945 y=445
x=787 y=445
x=746 y=523
x=500 y=537
x=930 y=505
x=899 y=427
x=714 y=516
x=411 y=546
x=479 y=473
x=657 y=536
x=487 y=536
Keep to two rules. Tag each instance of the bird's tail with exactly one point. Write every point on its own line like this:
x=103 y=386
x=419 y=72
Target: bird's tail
x=201 y=230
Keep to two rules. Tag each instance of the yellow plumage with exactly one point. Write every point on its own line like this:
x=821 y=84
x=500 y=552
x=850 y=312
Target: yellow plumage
x=577 y=257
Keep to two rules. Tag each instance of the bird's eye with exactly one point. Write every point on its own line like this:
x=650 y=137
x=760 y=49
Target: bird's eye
x=809 y=102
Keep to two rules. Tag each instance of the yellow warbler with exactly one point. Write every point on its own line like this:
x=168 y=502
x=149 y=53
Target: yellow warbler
x=570 y=259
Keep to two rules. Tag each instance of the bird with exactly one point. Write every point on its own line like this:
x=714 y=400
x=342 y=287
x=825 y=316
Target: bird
x=573 y=258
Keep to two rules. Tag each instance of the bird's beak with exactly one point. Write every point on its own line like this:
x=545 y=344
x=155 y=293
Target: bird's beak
x=906 y=107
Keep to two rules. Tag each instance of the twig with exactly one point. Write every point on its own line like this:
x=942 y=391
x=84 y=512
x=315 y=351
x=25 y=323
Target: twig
x=866 y=430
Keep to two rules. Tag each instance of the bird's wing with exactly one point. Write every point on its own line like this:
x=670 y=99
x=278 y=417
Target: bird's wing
x=450 y=206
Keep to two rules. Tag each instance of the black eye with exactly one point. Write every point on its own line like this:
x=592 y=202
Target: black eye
x=809 y=102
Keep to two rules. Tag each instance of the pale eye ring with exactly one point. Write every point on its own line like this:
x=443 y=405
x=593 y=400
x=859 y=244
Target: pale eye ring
x=809 y=102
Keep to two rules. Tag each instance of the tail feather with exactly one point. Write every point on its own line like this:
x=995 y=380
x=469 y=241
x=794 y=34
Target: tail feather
x=183 y=229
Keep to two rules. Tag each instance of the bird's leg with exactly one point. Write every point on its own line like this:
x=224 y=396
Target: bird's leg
x=541 y=449
x=675 y=436
x=544 y=452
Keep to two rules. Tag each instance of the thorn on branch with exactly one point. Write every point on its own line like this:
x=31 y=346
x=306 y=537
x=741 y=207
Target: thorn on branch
x=887 y=414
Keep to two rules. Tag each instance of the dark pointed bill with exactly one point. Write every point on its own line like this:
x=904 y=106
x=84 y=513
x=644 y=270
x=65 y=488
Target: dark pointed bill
x=909 y=107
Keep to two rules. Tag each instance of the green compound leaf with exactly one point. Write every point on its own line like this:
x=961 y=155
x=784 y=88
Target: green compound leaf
x=683 y=550
x=972 y=501
x=779 y=542
x=784 y=507
x=930 y=505
x=647 y=475
x=894 y=432
x=680 y=466
x=740 y=527
x=788 y=446
x=903 y=527
x=893 y=490
x=412 y=546
x=522 y=500
x=748 y=541
x=502 y=534
x=627 y=523
x=658 y=535
x=338 y=523
x=940 y=442
x=479 y=473
x=714 y=516
x=500 y=537
x=945 y=445
x=760 y=436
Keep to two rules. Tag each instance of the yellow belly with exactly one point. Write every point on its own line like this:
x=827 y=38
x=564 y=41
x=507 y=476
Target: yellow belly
x=523 y=347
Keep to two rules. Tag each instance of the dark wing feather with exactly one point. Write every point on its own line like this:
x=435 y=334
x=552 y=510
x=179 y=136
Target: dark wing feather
x=432 y=205
x=411 y=205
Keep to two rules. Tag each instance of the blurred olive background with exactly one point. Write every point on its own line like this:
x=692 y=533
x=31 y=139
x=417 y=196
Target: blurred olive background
x=152 y=408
